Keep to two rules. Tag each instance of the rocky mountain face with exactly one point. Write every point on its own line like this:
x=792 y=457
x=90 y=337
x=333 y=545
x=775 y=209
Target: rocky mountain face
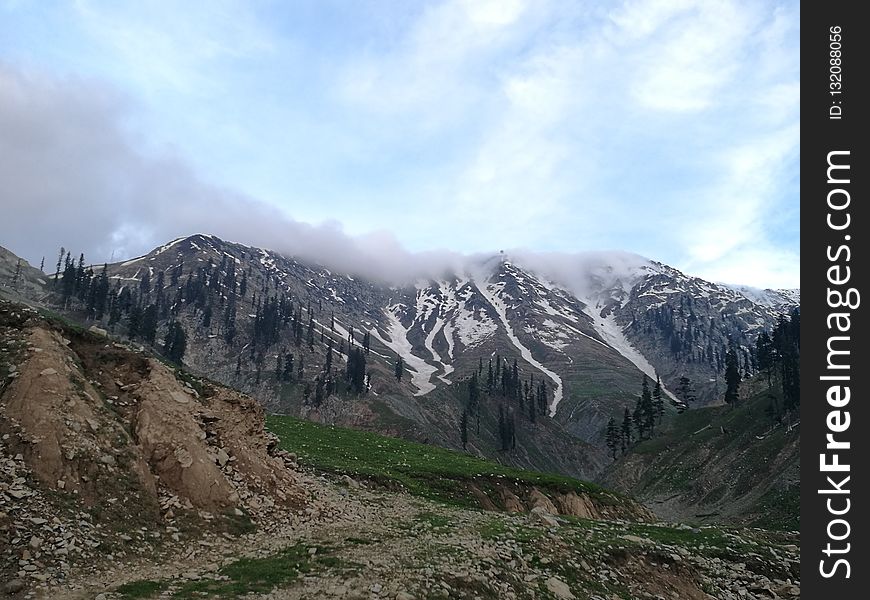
x=18 y=278
x=271 y=325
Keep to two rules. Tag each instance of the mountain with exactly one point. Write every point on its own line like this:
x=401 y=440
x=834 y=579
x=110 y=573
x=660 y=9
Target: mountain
x=122 y=476
x=582 y=343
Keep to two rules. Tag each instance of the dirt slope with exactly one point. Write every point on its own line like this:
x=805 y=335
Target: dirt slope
x=94 y=432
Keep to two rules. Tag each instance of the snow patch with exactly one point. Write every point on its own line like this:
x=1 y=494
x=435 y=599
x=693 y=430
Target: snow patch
x=612 y=332
x=430 y=338
x=491 y=296
x=421 y=371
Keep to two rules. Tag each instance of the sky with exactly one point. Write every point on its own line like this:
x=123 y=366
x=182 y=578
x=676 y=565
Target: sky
x=406 y=132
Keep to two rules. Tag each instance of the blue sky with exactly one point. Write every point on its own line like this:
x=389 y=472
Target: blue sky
x=666 y=128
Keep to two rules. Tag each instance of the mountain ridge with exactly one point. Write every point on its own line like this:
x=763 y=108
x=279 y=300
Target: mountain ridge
x=590 y=347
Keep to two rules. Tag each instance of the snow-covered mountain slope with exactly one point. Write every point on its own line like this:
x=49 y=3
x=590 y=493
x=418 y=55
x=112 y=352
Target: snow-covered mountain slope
x=587 y=333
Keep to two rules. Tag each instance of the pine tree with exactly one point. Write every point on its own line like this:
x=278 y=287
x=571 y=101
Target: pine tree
x=657 y=400
x=318 y=391
x=764 y=355
x=684 y=388
x=16 y=276
x=647 y=409
x=356 y=370
x=400 y=368
x=145 y=284
x=206 y=317
x=626 y=438
x=175 y=343
x=732 y=376
x=638 y=419
x=134 y=321
x=612 y=437
x=463 y=429
x=287 y=375
x=59 y=261
x=148 y=329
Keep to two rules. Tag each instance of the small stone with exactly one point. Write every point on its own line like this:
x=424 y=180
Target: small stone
x=13 y=586
x=350 y=482
x=180 y=397
x=183 y=457
x=107 y=459
x=48 y=371
x=559 y=588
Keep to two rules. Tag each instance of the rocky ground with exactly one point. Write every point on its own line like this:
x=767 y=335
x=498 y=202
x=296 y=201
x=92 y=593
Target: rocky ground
x=355 y=542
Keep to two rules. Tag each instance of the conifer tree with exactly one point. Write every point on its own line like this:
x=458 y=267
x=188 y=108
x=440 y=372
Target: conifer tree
x=175 y=343
x=732 y=376
x=658 y=401
x=626 y=430
x=145 y=284
x=612 y=437
x=287 y=375
x=400 y=368
x=148 y=329
x=684 y=388
x=328 y=365
x=646 y=406
x=463 y=429
x=59 y=261
x=638 y=420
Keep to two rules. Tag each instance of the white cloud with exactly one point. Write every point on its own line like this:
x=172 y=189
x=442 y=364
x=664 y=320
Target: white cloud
x=668 y=128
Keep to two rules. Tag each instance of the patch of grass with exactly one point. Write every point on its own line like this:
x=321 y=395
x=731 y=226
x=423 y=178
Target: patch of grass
x=780 y=509
x=427 y=471
x=141 y=589
x=434 y=520
x=260 y=575
x=497 y=528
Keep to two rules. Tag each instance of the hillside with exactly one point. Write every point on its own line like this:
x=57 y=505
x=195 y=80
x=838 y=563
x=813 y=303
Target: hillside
x=124 y=477
x=719 y=464
x=267 y=324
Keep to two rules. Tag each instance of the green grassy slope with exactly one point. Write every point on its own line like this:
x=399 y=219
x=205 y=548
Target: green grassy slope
x=725 y=464
x=424 y=470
